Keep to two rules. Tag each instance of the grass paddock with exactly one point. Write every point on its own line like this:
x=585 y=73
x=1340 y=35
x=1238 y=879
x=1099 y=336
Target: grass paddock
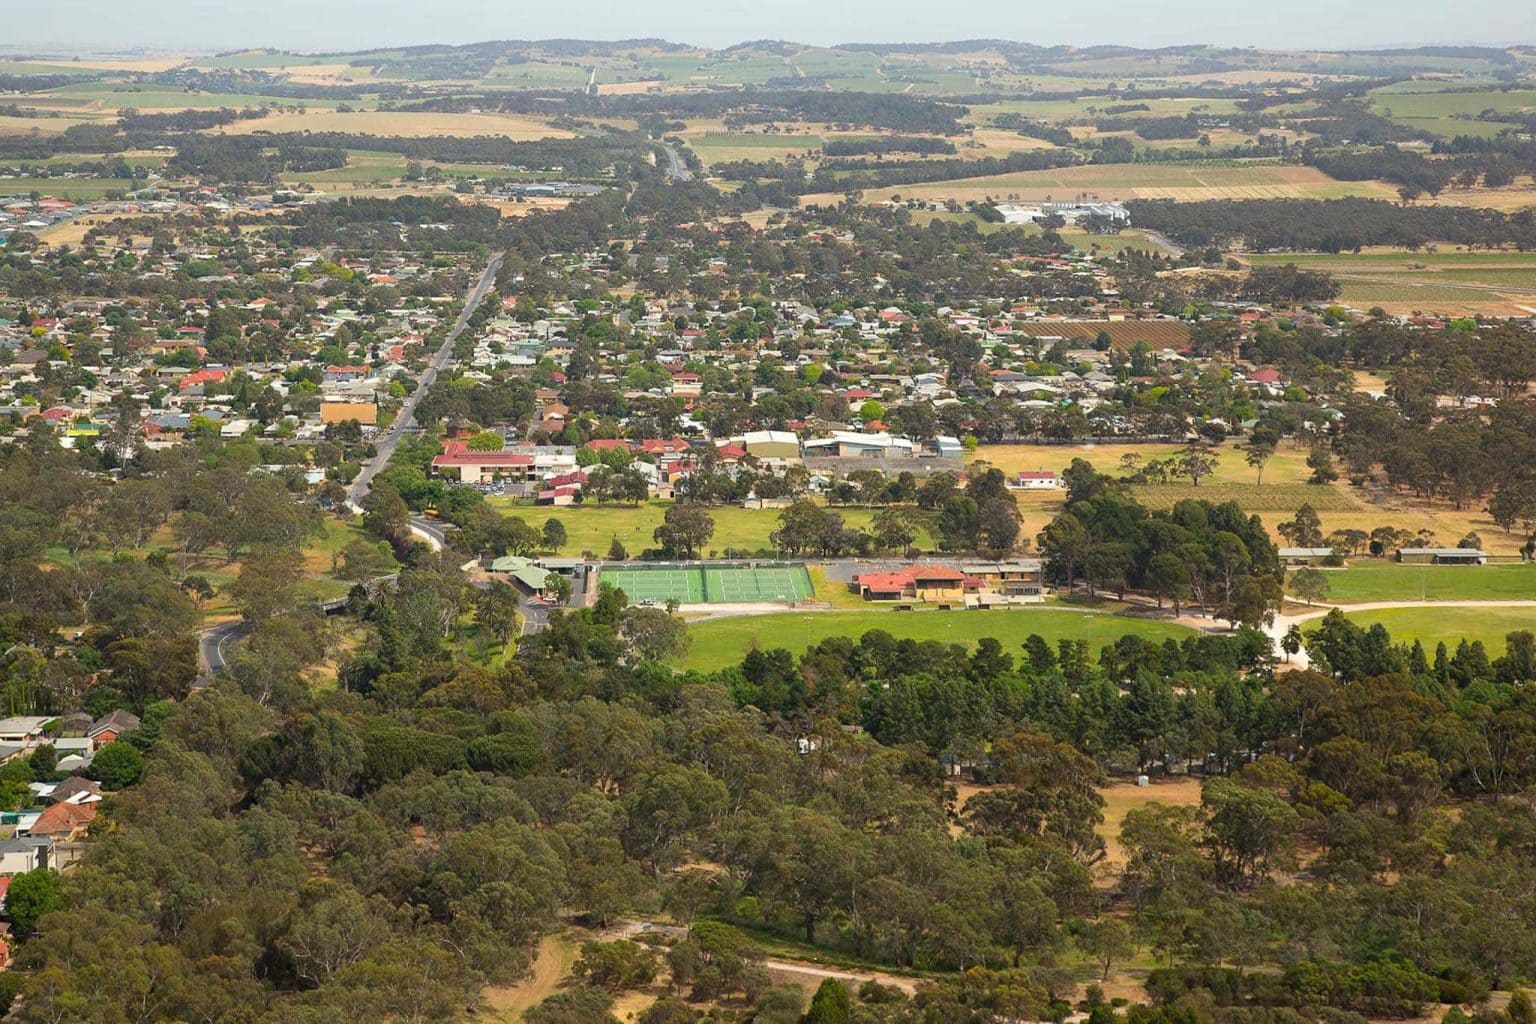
x=720 y=643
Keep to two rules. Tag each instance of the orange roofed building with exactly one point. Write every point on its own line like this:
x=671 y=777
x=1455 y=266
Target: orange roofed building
x=931 y=584
x=64 y=822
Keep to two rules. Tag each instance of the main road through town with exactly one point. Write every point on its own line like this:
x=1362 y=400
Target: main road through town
x=407 y=415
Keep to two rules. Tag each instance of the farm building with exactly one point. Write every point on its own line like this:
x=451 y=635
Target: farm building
x=1304 y=556
x=1042 y=480
x=1442 y=556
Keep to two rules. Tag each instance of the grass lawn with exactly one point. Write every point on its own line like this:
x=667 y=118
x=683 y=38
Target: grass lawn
x=1287 y=466
x=719 y=643
x=834 y=593
x=1386 y=581
x=1433 y=625
x=337 y=535
x=593 y=527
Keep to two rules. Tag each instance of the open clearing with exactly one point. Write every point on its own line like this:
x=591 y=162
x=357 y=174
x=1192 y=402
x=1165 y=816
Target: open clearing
x=1147 y=181
x=1125 y=796
x=1339 y=506
x=412 y=125
x=720 y=643
x=1431 y=626
x=1368 y=580
x=593 y=527
x=551 y=966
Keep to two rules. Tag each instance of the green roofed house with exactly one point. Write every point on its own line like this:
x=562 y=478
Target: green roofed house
x=528 y=577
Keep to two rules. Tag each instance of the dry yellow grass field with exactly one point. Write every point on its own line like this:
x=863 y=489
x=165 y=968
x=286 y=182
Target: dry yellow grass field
x=509 y=208
x=73 y=232
x=996 y=141
x=390 y=122
x=1147 y=181
x=626 y=88
x=1120 y=798
x=1517 y=195
x=146 y=64
x=1285 y=470
x=551 y=966
x=44 y=125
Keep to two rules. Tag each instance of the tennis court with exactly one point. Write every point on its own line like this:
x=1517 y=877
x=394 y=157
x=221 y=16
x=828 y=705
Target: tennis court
x=698 y=584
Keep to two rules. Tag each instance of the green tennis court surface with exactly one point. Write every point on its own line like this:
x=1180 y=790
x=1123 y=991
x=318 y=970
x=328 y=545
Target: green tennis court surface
x=694 y=584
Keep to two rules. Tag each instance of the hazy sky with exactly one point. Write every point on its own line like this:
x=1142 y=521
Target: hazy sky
x=358 y=24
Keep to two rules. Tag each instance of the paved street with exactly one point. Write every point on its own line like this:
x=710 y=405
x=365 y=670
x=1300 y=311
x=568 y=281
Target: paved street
x=440 y=359
x=215 y=644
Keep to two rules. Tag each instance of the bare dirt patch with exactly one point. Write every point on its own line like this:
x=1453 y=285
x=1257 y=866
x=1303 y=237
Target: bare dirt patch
x=551 y=966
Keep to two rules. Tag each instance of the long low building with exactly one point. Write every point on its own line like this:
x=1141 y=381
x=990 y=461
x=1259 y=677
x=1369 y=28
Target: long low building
x=950 y=584
x=846 y=443
x=459 y=462
x=1442 y=556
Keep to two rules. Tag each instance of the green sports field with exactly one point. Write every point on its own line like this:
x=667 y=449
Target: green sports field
x=720 y=643
x=695 y=584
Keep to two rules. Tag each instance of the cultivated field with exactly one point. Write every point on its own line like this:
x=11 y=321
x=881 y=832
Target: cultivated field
x=720 y=643
x=388 y=122
x=1449 y=283
x=1148 y=181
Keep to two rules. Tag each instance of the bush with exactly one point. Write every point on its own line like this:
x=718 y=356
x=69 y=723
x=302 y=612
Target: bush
x=31 y=895
x=116 y=765
x=831 y=1004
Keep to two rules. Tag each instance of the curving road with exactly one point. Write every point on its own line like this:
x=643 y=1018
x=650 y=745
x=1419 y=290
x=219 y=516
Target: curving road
x=439 y=361
x=1277 y=629
x=214 y=643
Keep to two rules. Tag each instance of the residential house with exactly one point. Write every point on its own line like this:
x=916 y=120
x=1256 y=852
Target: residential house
x=24 y=731
x=64 y=822
x=25 y=853
x=111 y=727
